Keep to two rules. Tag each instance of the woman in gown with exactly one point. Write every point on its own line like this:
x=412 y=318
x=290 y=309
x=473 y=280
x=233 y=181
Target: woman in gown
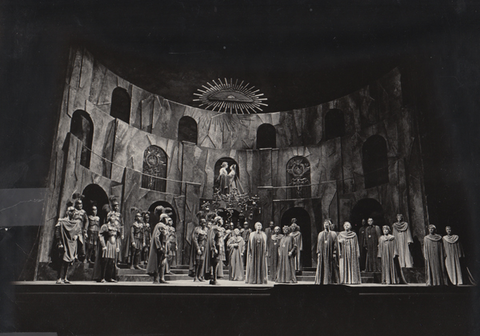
x=349 y=253
x=256 y=272
x=453 y=253
x=387 y=251
x=236 y=248
x=403 y=238
x=286 y=255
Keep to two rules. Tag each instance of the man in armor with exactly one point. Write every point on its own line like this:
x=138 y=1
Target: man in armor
x=92 y=233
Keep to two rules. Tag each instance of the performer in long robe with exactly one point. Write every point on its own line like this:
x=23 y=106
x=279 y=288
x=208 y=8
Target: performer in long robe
x=268 y=233
x=403 y=238
x=245 y=232
x=326 y=250
x=453 y=253
x=297 y=236
x=137 y=241
x=434 y=254
x=236 y=248
x=67 y=231
x=256 y=272
x=105 y=269
x=273 y=253
x=286 y=257
x=223 y=180
x=197 y=253
x=361 y=239
x=92 y=232
x=372 y=234
x=349 y=253
x=81 y=215
x=115 y=213
x=387 y=252
x=158 y=252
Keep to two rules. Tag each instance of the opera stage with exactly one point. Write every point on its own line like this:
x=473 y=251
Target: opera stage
x=188 y=308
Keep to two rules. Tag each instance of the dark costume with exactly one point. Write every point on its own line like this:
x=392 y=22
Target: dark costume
x=199 y=242
x=326 y=250
x=171 y=248
x=92 y=240
x=105 y=263
x=286 y=263
x=137 y=242
x=82 y=217
x=387 y=252
x=434 y=255
x=236 y=247
x=245 y=233
x=298 y=241
x=349 y=251
x=403 y=237
x=256 y=272
x=273 y=256
x=363 y=251
x=370 y=242
x=268 y=233
x=67 y=232
x=213 y=245
x=453 y=253
x=157 y=257
x=147 y=234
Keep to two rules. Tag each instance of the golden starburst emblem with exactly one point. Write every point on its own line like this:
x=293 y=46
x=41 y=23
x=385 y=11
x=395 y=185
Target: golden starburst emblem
x=229 y=97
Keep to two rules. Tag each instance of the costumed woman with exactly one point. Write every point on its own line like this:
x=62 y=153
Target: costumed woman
x=286 y=258
x=388 y=253
x=349 y=252
x=403 y=238
x=453 y=253
x=256 y=272
x=434 y=254
x=236 y=248
x=326 y=252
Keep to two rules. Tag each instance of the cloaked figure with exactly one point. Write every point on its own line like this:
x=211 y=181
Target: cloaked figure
x=361 y=239
x=213 y=245
x=223 y=179
x=297 y=237
x=327 y=246
x=172 y=246
x=370 y=243
x=236 y=248
x=269 y=233
x=81 y=215
x=453 y=253
x=434 y=254
x=403 y=238
x=349 y=252
x=286 y=258
x=388 y=254
x=105 y=269
x=273 y=253
x=256 y=270
x=158 y=251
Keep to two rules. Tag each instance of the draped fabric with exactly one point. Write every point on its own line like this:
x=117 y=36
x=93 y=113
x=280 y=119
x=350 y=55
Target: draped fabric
x=273 y=255
x=453 y=253
x=387 y=251
x=298 y=241
x=403 y=237
x=223 y=181
x=256 y=271
x=157 y=250
x=108 y=238
x=434 y=254
x=236 y=247
x=372 y=234
x=286 y=264
x=67 y=232
x=326 y=249
x=349 y=252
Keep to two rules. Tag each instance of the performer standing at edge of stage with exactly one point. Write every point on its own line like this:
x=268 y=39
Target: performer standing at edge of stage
x=434 y=254
x=105 y=268
x=67 y=231
x=403 y=238
x=213 y=244
x=297 y=237
x=273 y=252
x=158 y=250
x=256 y=272
x=387 y=252
x=453 y=253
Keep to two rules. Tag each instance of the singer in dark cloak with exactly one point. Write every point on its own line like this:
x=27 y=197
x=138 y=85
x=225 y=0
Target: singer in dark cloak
x=105 y=264
x=256 y=270
x=434 y=254
x=197 y=253
x=158 y=251
x=372 y=234
x=273 y=253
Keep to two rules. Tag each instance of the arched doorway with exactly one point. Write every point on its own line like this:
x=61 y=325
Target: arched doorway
x=95 y=195
x=303 y=220
x=154 y=217
x=187 y=130
x=266 y=136
x=120 y=107
x=364 y=209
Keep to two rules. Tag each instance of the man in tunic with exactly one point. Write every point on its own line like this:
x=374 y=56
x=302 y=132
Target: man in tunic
x=387 y=252
x=286 y=257
x=326 y=251
x=81 y=215
x=273 y=253
x=434 y=254
x=158 y=252
x=453 y=253
x=403 y=238
x=197 y=255
x=298 y=240
x=115 y=213
x=370 y=243
x=67 y=231
x=213 y=244
x=349 y=252
x=236 y=248
x=92 y=233
x=256 y=272
x=105 y=269
x=137 y=241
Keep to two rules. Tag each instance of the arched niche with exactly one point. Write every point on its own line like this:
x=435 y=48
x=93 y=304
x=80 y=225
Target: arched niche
x=154 y=169
x=187 y=129
x=334 y=124
x=82 y=127
x=298 y=177
x=375 y=161
x=222 y=182
x=303 y=220
x=266 y=136
x=95 y=195
x=120 y=107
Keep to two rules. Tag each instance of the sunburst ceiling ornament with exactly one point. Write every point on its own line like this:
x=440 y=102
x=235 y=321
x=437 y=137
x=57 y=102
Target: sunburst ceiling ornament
x=229 y=97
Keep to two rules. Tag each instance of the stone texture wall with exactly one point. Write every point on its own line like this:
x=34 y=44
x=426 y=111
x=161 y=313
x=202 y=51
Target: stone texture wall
x=337 y=181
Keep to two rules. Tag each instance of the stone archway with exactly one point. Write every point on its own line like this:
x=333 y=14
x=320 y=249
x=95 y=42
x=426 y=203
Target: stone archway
x=95 y=195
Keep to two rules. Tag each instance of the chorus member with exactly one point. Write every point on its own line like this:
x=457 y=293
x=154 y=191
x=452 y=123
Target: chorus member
x=137 y=241
x=286 y=258
x=197 y=257
x=349 y=251
x=326 y=253
x=453 y=253
x=361 y=239
x=273 y=252
x=256 y=271
x=147 y=233
x=269 y=233
x=403 y=238
x=81 y=215
x=370 y=243
x=245 y=232
x=67 y=231
x=297 y=237
x=158 y=252
x=92 y=233
x=171 y=246
x=434 y=254
x=105 y=268
x=387 y=252
x=115 y=213
x=236 y=248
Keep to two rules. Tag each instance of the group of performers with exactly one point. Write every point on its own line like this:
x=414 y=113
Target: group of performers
x=252 y=256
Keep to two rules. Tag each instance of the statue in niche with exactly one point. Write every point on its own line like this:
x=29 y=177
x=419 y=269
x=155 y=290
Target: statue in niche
x=228 y=181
